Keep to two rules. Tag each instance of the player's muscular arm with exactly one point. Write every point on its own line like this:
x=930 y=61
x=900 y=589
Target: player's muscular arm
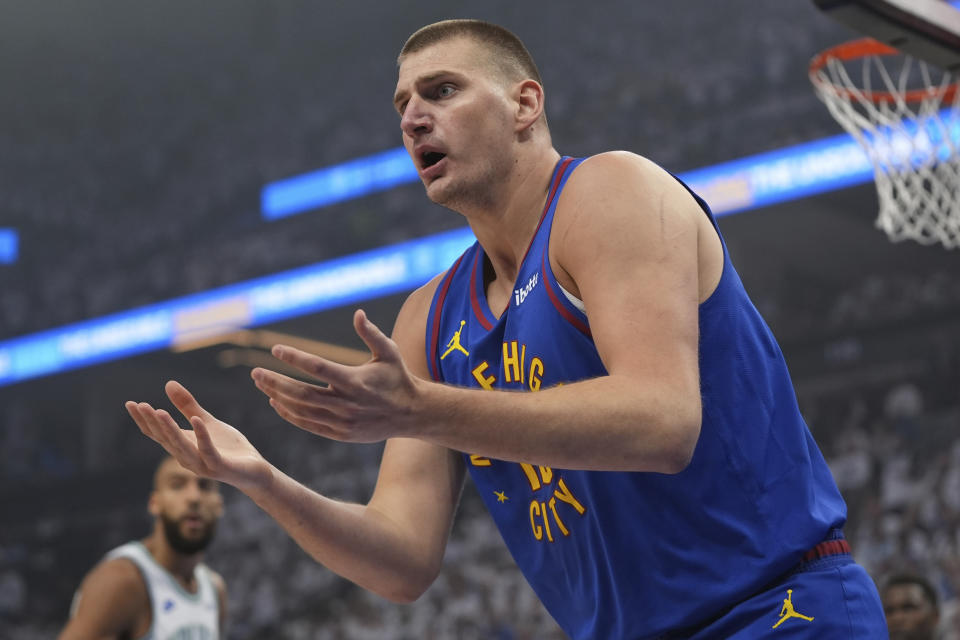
x=394 y=545
x=628 y=239
x=628 y=245
x=112 y=603
x=625 y=240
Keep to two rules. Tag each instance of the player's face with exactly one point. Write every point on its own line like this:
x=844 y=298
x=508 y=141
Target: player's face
x=188 y=507
x=457 y=121
x=910 y=616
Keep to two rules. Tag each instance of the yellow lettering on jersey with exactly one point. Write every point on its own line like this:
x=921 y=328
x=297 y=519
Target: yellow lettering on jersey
x=479 y=461
x=546 y=521
x=534 y=514
x=523 y=356
x=532 y=477
x=485 y=381
x=556 y=516
x=536 y=481
x=563 y=493
x=511 y=362
x=536 y=371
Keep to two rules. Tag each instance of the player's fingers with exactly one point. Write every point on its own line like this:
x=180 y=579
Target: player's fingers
x=332 y=410
x=273 y=383
x=312 y=425
x=320 y=368
x=148 y=418
x=209 y=454
x=332 y=415
x=285 y=388
x=153 y=426
x=184 y=401
x=380 y=345
x=179 y=443
x=140 y=419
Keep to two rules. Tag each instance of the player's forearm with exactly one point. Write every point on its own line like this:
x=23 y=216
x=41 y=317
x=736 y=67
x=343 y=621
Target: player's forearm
x=358 y=542
x=605 y=423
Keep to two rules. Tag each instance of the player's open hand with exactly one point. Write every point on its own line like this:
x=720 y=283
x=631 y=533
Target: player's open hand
x=365 y=403
x=213 y=448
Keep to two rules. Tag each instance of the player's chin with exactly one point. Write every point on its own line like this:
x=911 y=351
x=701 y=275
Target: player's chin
x=195 y=530
x=437 y=191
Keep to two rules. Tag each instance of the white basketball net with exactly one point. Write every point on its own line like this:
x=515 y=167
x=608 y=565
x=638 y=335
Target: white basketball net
x=901 y=112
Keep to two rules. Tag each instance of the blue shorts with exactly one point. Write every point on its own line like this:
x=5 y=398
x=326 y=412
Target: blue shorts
x=829 y=598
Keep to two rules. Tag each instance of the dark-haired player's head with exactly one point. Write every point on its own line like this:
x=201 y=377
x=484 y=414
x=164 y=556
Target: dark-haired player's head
x=186 y=507
x=502 y=50
x=471 y=108
x=911 y=606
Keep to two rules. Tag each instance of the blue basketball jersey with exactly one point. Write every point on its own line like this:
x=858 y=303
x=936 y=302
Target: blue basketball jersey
x=635 y=555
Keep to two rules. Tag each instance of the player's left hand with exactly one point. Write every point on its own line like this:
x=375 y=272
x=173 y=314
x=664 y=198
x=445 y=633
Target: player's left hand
x=365 y=403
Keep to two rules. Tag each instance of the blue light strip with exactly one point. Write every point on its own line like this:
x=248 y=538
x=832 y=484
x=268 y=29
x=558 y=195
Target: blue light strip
x=9 y=245
x=777 y=176
x=754 y=181
x=746 y=183
x=750 y=182
x=272 y=298
x=341 y=182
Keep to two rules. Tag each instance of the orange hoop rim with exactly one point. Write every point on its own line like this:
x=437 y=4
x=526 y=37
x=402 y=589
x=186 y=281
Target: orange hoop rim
x=863 y=48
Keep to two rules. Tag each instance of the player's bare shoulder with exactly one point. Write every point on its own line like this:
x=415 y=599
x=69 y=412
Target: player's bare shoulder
x=609 y=176
x=621 y=197
x=112 y=601
x=117 y=577
x=410 y=328
x=609 y=190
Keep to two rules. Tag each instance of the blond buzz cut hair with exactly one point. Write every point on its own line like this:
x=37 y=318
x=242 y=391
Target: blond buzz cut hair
x=507 y=52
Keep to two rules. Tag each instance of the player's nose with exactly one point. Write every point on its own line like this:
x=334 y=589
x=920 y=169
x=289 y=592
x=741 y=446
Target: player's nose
x=416 y=118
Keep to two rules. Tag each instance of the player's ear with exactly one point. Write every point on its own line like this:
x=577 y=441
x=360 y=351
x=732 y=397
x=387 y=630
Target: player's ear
x=153 y=506
x=528 y=95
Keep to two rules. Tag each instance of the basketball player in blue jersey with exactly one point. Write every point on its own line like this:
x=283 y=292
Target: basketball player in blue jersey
x=159 y=588
x=593 y=361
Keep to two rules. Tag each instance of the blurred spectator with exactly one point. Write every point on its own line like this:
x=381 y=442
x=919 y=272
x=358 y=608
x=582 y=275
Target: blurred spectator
x=911 y=605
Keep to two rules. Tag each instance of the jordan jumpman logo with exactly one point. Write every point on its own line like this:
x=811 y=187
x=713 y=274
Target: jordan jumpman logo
x=454 y=344
x=787 y=611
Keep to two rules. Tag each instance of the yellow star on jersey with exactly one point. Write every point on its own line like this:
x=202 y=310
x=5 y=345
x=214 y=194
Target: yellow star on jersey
x=501 y=496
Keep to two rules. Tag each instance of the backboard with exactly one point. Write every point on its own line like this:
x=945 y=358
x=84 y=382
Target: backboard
x=926 y=29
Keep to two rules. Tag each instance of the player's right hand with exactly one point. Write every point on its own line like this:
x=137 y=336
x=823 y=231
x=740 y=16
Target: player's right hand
x=213 y=449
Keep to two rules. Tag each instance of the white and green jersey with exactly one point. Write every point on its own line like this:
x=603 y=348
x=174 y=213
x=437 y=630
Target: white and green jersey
x=177 y=614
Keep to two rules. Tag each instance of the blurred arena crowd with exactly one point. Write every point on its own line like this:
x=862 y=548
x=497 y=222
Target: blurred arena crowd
x=889 y=433
x=167 y=205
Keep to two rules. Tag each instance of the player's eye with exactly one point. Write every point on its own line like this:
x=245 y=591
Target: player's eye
x=445 y=91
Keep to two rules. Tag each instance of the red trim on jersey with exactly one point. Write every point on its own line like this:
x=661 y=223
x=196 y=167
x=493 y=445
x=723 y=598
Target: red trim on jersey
x=437 y=311
x=566 y=313
x=474 y=298
x=474 y=294
x=827 y=548
x=546 y=207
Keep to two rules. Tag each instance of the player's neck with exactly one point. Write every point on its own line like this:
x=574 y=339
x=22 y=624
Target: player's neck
x=179 y=565
x=505 y=230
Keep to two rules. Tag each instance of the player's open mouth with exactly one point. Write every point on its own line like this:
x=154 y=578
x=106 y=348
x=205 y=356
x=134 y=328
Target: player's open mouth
x=430 y=158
